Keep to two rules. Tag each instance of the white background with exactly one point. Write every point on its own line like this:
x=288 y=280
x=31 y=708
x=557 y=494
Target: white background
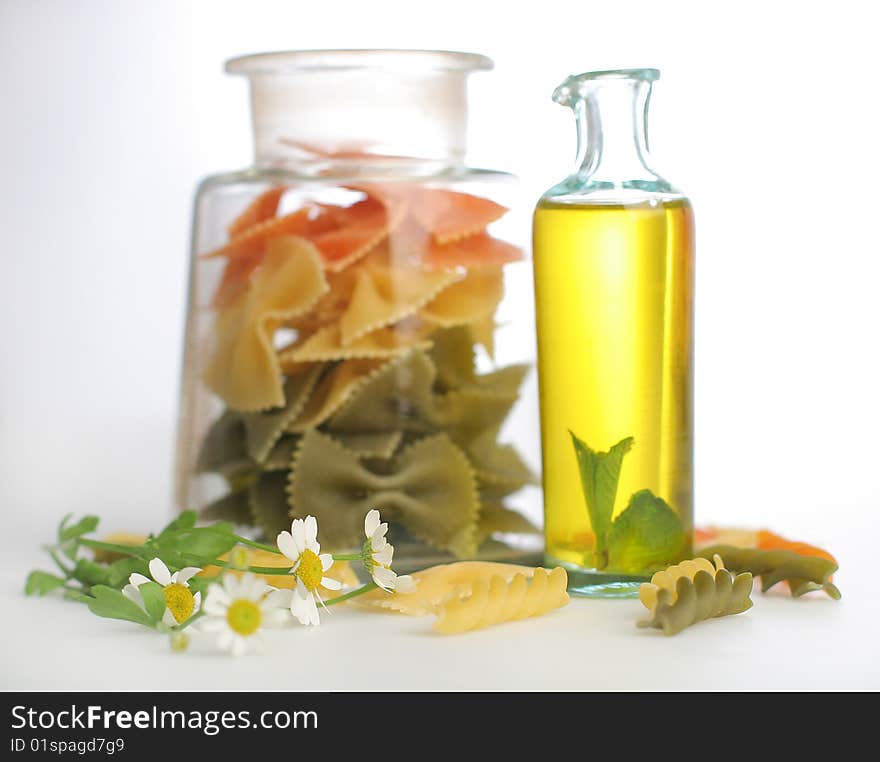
x=766 y=115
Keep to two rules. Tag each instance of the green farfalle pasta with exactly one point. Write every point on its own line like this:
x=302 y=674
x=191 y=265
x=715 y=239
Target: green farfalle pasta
x=499 y=467
x=430 y=489
x=396 y=397
x=453 y=356
x=281 y=455
x=804 y=574
x=223 y=449
x=267 y=500
x=232 y=507
x=496 y=517
x=263 y=430
x=693 y=594
x=371 y=444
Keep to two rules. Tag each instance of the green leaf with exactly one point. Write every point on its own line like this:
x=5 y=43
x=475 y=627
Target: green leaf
x=68 y=535
x=112 y=604
x=648 y=535
x=119 y=571
x=154 y=599
x=186 y=520
x=90 y=573
x=41 y=583
x=207 y=542
x=600 y=473
x=76 y=595
x=85 y=525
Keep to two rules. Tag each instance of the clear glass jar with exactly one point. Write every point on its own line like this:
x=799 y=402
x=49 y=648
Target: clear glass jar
x=358 y=320
x=614 y=264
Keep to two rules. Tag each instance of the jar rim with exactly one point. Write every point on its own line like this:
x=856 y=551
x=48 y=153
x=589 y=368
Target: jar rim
x=290 y=61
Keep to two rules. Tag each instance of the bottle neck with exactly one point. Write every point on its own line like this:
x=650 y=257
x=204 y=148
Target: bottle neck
x=612 y=132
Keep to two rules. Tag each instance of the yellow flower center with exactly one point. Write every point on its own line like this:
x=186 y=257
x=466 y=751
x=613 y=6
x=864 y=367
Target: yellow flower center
x=244 y=616
x=310 y=570
x=180 y=601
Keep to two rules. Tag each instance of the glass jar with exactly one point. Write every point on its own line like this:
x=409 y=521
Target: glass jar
x=358 y=320
x=614 y=268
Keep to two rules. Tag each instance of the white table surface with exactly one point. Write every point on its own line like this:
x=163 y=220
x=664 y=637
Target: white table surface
x=812 y=643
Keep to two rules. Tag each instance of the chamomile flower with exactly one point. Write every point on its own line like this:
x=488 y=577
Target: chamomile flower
x=237 y=609
x=301 y=546
x=377 y=556
x=180 y=602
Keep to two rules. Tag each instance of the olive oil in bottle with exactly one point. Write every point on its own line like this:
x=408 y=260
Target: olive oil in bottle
x=613 y=263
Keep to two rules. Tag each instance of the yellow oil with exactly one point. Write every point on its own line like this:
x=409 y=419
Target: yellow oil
x=614 y=291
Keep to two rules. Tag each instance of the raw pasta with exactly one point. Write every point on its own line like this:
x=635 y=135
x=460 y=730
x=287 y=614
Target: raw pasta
x=430 y=489
x=496 y=601
x=697 y=594
x=804 y=574
x=438 y=583
x=244 y=370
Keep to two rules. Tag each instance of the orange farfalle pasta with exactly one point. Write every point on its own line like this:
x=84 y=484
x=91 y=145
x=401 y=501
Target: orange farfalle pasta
x=244 y=369
x=357 y=229
x=308 y=221
x=770 y=541
x=475 y=251
x=450 y=216
x=262 y=208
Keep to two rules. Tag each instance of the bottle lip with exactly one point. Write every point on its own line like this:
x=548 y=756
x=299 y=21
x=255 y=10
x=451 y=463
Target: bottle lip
x=290 y=61
x=574 y=86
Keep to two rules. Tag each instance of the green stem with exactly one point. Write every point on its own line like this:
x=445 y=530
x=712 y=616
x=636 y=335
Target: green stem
x=276 y=570
x=348 y=556
x=128 y=550
x=58 y=562
x=241 y=540
x=353 y=594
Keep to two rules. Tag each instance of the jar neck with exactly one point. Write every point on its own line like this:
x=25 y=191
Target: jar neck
x=322 y=122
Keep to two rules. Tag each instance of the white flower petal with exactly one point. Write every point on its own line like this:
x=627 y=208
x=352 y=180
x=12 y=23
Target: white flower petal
x=330 y=583
x=232 y=585
x=311 y=529
x=298 y=532
x=197 y=602
x=216 y=605
x=168 y=618
x=377 y=542
x=160 y=572
x=186 y=574
x=225 y=640
x=138 y=579
x=384 y=556
x=218 y=592
x=287 y=545
x=277 y=599
x=133 y=594
x=371 y=522
x=212 y=624
x=304 y=609
x=238 y=646
x=326 y=561
x=384 y=578
x=276 y=617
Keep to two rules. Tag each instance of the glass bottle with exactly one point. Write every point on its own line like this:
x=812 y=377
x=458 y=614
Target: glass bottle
x=614 y=277
x=352 y=337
